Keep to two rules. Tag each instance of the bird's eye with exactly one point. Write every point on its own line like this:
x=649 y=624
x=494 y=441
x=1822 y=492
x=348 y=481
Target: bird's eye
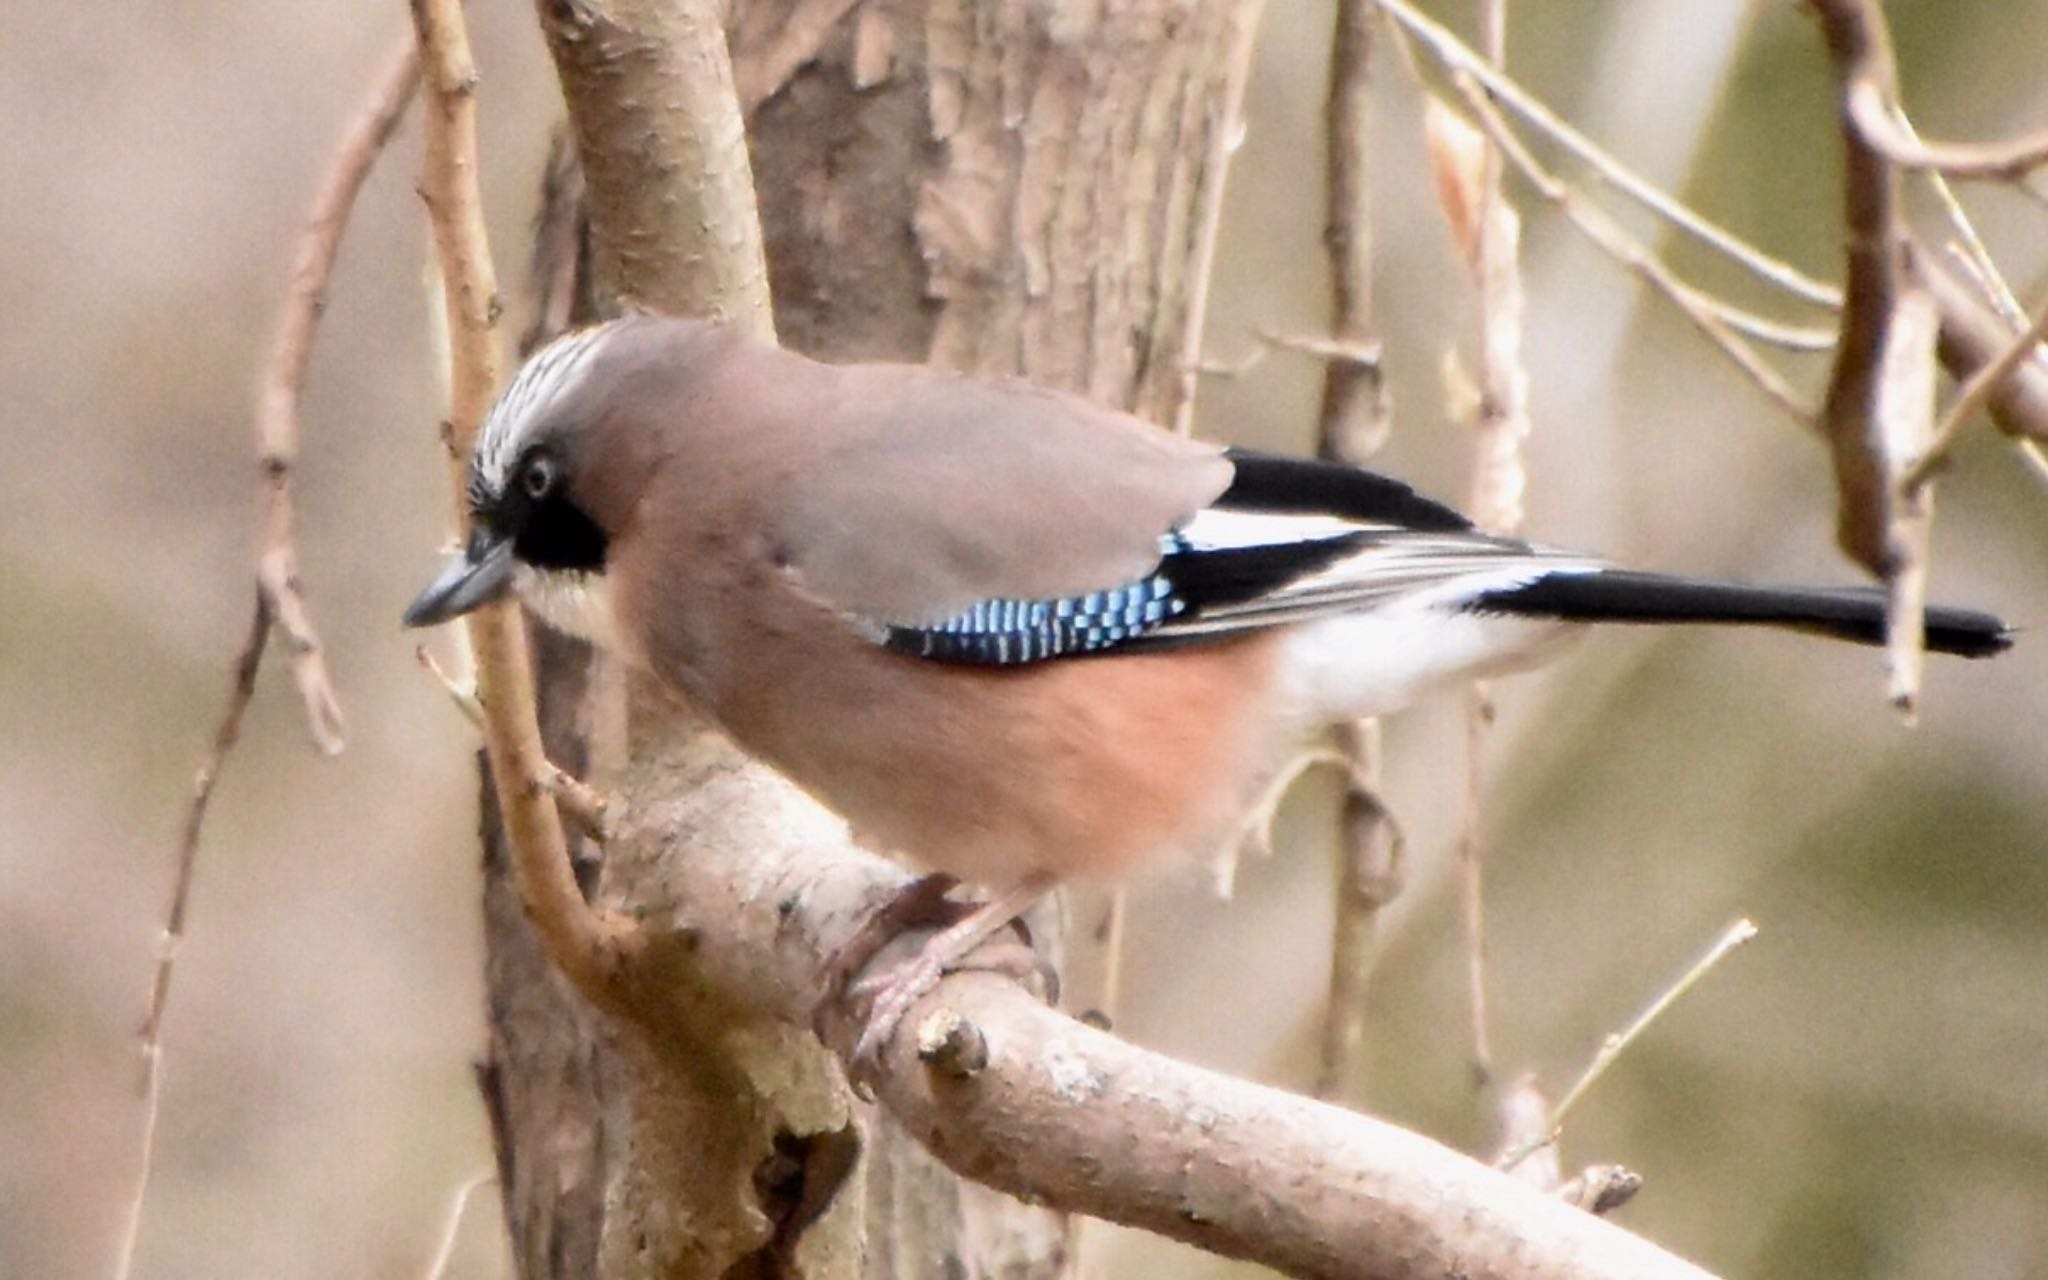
x=537 y=477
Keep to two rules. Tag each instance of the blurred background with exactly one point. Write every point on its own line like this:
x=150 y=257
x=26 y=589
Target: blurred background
x=1862 y=1091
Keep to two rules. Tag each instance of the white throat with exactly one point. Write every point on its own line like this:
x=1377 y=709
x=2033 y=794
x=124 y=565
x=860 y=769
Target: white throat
x=577 y=603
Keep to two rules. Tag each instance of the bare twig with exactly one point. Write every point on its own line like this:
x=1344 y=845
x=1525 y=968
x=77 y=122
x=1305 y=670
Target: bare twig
x=279 y=603
x=229 y=731
x=588 y=946
x=284 y=381
x=1241 y=30
x=1352 y=425
x=1615 y=1045
x=451 y=1223
x=1370 y=872
x=1876 y=247
x=1968 y=336
x=1905 y=416
x=1618 y=1043
x=1974 y=258
x=1467 y=169
x=1973 y=335
x=1457 y=56
x=1479 y=713
x=559 y=253
x=1878 y=116
x=1719 y=322
x=1353 y=421
x=1974 y=396
x=581 y=803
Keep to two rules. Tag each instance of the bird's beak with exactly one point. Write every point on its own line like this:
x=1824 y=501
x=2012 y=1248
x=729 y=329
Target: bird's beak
x=471 y=580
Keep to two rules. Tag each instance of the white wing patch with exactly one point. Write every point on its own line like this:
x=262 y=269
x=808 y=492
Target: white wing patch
x=1443 y=571
x=1213 y=529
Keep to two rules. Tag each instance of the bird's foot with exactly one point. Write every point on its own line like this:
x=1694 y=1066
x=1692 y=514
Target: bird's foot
x=921 y=904
x=966 y=943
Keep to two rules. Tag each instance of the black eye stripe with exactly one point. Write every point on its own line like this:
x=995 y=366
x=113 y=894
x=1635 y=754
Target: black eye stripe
x=556 y=534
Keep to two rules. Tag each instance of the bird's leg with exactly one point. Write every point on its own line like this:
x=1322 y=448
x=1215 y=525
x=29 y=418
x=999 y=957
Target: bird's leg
x=921 y=904
x=895 y=990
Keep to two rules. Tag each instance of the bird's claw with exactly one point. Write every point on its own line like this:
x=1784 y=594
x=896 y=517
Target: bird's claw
x=892 y=993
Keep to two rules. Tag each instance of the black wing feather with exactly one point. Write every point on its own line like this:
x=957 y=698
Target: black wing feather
x=1306 y=486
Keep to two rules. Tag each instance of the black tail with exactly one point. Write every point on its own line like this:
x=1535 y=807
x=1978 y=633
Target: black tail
x=1846 y=613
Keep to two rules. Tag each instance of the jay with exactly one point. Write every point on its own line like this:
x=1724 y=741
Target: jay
x=1013 y=637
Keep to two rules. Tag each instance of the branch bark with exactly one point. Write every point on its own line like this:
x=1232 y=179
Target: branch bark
x=588 y=948
x=1973 y=337
x=1019 y=1096
x=1876 y=253
x=1353 y=424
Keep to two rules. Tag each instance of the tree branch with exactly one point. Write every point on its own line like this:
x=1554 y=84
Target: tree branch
x=589 y=948
x=1242 y=33
x=1972 y=338
x=652 y=100
x=1719 y=323
x=284 y=382
x=1018 y=1096
x=279 y=602
x=1877 y=115
x=1876 y=251
x=1458 y=57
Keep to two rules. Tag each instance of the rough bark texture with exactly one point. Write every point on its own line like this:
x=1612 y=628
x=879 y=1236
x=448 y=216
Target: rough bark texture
x=542 y=1071
x=1026 y=1099
x=1006 y=188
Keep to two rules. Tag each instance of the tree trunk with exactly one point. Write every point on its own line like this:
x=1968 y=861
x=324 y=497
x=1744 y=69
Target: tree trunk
x=1007 y=188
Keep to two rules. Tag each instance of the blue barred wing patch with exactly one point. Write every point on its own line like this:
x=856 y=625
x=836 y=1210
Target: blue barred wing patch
x=1004 y=632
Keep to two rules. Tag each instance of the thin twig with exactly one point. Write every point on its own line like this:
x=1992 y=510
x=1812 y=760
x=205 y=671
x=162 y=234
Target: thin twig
x=1618 y=1043
x=1455 y=55
x=1472 y=866
x=1859 y=50
x=1717 y=321
x=1971 y=251
x=1905 y=417
x=1371 y=869
x=1467 y=167
x=1352 y=425
x=278 y=600
x=451 y=1223
x=1241 y=30
x=560 y=255
x=587 y=945
x=1973 y=334
x=2032 y=454
x=590 y=809
x=1240 y=33
x=1353 y=421
x=284 y=381
x=242 y=689
x=1976 y=393
x=1878 y=116
x=1254 y=833
x=1614 y=1046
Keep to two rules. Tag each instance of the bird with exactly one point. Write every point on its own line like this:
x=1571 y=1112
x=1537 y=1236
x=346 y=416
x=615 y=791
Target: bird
x=1013 y=637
